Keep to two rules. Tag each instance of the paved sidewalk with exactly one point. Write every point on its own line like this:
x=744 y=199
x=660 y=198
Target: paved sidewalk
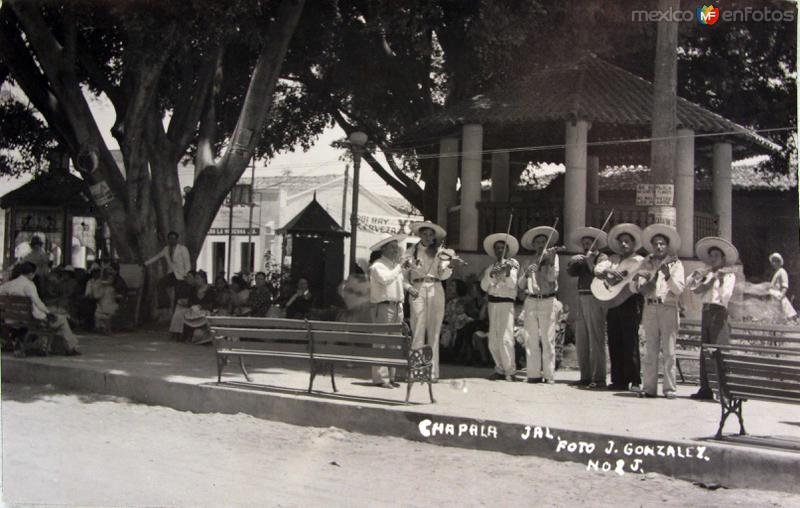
x=146 y=366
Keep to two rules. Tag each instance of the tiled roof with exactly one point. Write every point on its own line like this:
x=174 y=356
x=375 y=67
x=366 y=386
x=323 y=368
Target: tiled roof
x=586 y=88
x=400 y=204
x=313 y=219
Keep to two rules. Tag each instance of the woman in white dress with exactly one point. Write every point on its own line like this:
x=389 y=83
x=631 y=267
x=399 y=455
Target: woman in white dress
x=779 y=285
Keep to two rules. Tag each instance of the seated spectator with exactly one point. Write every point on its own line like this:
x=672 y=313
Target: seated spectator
x=40 y=259
x=299 y=304
x=23 y=285
x=107 y=301
x=185 y=297
x=206 y=293
x=480 y=336
x=260 y=297
x=459 y=310
x=88 y=304
x=222 y=293
x=239 y=295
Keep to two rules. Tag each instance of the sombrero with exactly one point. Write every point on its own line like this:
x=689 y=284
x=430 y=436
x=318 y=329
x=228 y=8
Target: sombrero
x=576 y=236
x=439 y=230
x=668 y=232
x=527 y=239
x=195 y=317
x=391 y=238
x=511 y=243
x=619 y=229
x=702 y=247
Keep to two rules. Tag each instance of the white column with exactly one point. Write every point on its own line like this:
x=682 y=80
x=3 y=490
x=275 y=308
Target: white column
x=472 y=146
x=722 y=190
x=684 y=191
x=593 y=179
x=575 y=177
x=448 y=176
x=500 y=177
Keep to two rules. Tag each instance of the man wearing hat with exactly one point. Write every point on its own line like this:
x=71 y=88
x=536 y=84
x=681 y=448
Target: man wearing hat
x=386 y=295
x=499 y=281
x=426 y=271
x=540 y=284
x=622 y=321
x=661 y=282
x=715 y=282
x=590 y=316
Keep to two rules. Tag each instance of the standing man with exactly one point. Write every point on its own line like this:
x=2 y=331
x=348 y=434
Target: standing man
x=622 y=321
x=424 y=284
x=661 y=282
x=590 y=318
x=178 y=264
x=500 y=282
x=540 y=284
x=715 y=282
x=386 y=296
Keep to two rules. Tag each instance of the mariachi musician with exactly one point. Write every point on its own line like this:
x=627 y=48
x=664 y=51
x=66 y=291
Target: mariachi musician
x=714 y=283
x=622 y=320
x=661 y=282
x=540 y=284
x=426 y=268
x=499 y=281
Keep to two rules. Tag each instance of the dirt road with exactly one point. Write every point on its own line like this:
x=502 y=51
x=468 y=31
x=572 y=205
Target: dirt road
x=88 y=449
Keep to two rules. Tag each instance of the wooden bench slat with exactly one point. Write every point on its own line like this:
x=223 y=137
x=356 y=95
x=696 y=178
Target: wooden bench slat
x=755 y=372
x=744 y=395
x=297 y=324
x=253 y=333
x=326 y=337
x=329 y=349
x=362 y=360
x=725 y=348
x=265 y=346
x=270 y=354
x=745 y=390
x=762 y=362
x=762 y=382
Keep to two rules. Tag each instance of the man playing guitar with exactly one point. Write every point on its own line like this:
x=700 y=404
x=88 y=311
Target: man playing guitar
x=622 y=321
x=661 y=282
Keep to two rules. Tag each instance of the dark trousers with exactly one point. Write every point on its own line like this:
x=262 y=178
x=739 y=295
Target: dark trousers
x=622 y=325
x=714 y=329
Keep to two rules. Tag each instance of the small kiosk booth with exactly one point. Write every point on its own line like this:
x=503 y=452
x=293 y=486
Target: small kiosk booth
x=55 y=206
x=315 y=243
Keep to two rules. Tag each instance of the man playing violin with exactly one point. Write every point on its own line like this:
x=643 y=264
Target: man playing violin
x=500 y=282
x=622 y=321
x=661 y=282
x=715 y=282
x=540 y=284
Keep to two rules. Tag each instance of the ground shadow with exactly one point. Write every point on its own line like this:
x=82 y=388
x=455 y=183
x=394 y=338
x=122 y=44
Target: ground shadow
x=265 y=388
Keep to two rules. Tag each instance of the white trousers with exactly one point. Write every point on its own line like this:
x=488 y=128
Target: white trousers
x=385 y=313
x=541 y=316
x=427 y=314
x=501 y=337
x=660 y=323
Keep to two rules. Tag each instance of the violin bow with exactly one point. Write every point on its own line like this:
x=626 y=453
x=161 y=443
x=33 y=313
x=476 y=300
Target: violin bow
x=602 y=228
x=508 y=233
x=547 y=243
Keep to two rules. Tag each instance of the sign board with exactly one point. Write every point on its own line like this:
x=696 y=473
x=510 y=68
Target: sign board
x=235 y=231
x=386 y=224
x=101 y=193
x=664 y=194
x=666 y=215
x=645 y=194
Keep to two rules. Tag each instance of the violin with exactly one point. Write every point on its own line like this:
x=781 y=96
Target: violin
x=648 y=271
x=504 y=266
x=450 y=255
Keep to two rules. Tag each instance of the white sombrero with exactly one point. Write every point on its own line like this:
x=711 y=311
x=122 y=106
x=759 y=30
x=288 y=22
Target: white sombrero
x=527 y=239
x=390 y=238
x=576 y=236
x=511 y=243
x=702 y=247
x=439 y=230
x=668 y=232
x=620 y=229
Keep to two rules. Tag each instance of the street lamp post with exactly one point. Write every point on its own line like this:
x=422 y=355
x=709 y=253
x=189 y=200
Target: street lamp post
x=357 y=141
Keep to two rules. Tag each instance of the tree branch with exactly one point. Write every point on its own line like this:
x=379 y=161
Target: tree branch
x=100 y=78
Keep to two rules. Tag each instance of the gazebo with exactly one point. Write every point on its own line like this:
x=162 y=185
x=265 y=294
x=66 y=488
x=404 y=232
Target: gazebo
x=315 y=243
x=57 y=207
x=582 y=113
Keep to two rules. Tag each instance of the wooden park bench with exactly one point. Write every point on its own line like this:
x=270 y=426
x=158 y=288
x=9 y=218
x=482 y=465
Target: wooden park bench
x=742 y=334
x=18 y=322
x=740 y=373
x=323 y=343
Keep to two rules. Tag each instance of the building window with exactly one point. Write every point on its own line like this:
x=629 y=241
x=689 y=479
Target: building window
x=248 y=251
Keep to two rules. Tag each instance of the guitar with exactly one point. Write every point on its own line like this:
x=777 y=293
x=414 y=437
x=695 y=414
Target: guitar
x=613 y=295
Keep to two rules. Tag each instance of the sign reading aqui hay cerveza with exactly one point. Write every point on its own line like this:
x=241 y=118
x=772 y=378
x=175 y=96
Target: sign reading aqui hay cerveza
x=645 y=194
x=664 y=194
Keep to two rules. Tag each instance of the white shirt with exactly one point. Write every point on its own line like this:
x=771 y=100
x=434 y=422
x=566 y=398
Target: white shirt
x=427 y=266
x=501 y=286
x=385 y=281
x=668 y=291
x=179 y=263
x=721 y=290
x=21 y=286
x=544 y=281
